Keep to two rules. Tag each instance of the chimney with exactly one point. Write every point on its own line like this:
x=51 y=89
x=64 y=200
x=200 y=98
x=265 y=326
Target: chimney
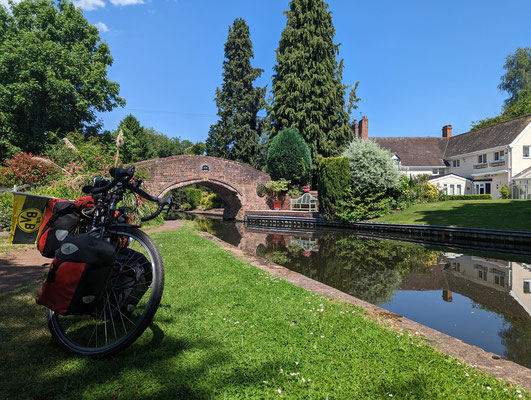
x=447 y=131
x=364 y=128
x=355 y=128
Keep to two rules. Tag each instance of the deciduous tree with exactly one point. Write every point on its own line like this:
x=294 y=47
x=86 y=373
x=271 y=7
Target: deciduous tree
x=53 y=74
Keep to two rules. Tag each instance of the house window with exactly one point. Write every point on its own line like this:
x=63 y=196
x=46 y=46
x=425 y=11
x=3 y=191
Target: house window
x=499 y=280
x=499 y=156
x=452 y=190
x=458 y=190
x=438 y=171
x=456 y=163
x=526 y=151
x=482 y=274
x=445 y=188
x=482 y=188
x=527 y=287
x=482 y=159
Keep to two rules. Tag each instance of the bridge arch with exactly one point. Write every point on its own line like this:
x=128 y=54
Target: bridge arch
x=235 y=182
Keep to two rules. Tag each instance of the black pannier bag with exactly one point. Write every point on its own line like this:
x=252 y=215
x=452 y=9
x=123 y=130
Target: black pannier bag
x=60 y=219
x=78 y=275
x=134 y=280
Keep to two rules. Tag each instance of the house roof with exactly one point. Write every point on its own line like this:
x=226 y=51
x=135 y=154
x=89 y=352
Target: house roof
x=431 y=151
x=525 y=174
x=415 y=151
x=435 y=177
x=501 y=134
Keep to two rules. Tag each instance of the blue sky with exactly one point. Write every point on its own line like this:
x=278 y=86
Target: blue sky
x=421 y=64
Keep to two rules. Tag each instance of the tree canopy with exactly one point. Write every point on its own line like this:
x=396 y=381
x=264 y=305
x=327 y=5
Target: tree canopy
x=308 y=92
x=236 y=135
x=517 y=83
x=517 y=75
x=53 y=74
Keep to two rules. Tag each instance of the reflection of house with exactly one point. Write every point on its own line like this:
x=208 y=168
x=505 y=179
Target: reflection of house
x=501 y=286
x=505 y=276
x=476 y=162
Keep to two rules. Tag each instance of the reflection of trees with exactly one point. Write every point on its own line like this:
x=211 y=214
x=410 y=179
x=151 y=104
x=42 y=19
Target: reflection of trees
x=370 y=269
x=226 y=231
x=516 y=337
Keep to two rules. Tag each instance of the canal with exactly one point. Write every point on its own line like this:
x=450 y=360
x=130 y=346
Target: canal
x=482 y=298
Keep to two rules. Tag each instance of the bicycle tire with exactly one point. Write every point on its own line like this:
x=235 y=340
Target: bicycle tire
x=65 y=340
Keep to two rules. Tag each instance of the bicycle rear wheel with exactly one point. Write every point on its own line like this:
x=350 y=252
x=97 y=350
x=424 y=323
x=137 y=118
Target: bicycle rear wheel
x=128 y=304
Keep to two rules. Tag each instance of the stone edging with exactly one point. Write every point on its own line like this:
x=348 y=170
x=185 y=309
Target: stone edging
x=472 y=355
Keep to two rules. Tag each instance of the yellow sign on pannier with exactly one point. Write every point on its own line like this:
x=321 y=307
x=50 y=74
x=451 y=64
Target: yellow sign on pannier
x=28 y=213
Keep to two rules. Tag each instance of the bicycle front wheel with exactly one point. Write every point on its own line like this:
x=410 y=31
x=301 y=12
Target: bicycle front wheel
x=129 y=302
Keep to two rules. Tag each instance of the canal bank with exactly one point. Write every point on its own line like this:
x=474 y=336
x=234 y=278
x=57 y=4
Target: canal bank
x=477 y=296
x=477 y=238
x=472 y=355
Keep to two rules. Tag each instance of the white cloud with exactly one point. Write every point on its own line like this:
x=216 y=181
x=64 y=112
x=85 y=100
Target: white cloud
x=101 y=27
x=89 y=5
x=126 y=2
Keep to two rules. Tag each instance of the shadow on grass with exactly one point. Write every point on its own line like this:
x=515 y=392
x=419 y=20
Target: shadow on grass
x=158 y=366
x=513 y=215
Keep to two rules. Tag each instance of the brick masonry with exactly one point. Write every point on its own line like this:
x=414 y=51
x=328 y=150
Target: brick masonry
x=235 y=182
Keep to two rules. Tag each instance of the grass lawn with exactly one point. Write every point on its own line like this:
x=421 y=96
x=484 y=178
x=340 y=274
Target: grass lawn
x=5 y=246
x=226 y=329
x=495 y=214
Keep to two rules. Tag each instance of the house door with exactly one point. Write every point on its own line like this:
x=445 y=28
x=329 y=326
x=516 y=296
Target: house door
x=482 y=188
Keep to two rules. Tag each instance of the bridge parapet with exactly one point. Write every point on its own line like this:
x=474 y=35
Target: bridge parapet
x=234 y=181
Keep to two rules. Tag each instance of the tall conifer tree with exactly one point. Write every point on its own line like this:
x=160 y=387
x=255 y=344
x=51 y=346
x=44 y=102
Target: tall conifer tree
x=308 y=92
x=236 y=135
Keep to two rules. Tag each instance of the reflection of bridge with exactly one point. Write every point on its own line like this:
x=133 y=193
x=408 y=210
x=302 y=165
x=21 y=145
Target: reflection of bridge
x=235 y=182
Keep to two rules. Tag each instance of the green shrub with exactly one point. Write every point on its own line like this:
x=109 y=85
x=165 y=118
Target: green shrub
x=289 y=157
x=185 y=207
x=371 y=167
x=213 y=200
x=6 y=211
x=333 y=179
x=276 y=188
x=505 y=193
x=469 y=197
x=193 y=197
x=358 y=205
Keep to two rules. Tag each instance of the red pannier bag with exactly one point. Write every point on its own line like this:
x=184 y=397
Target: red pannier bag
x=60 y=219
x=78 y=275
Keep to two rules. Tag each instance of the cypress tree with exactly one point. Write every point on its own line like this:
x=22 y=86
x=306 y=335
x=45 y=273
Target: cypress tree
x=236 y=135
x=308 y=93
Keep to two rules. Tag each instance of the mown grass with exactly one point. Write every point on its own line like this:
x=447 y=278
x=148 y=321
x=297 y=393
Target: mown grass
x=228 y=330
x=5 y=246
x=494 y=214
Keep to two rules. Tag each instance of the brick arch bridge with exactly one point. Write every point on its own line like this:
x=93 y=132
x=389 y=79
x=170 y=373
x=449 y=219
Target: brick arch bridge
x=235 y=182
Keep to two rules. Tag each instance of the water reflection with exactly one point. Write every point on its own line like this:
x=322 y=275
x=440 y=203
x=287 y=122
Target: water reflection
x=482 y=299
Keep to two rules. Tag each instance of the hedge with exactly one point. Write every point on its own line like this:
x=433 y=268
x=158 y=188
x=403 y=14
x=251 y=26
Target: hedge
x=333 y=180
x=469 y=197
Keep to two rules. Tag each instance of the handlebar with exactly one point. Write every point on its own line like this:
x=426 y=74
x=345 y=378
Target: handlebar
x=125 y=175
x=119 y=174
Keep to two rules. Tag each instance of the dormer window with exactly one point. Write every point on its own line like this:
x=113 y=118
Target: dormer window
x=456 y=163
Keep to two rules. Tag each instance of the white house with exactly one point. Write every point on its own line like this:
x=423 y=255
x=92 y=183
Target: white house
x=476 y=162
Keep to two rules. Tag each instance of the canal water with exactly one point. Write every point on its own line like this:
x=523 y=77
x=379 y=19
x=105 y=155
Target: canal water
x=484 y=299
